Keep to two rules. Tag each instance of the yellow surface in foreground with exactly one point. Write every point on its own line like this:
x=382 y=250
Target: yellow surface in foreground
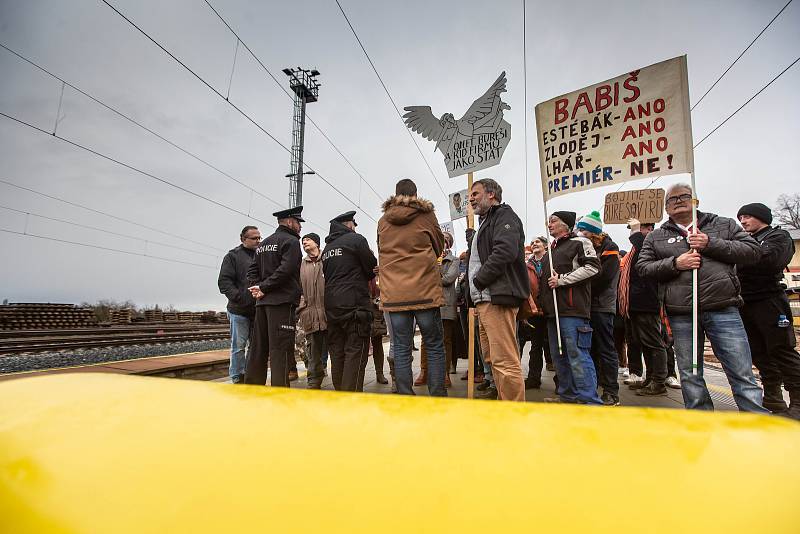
x=104 y=453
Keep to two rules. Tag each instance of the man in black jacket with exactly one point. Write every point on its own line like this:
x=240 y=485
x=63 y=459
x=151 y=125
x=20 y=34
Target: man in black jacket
x=233 y=284
x=669 y=255
x=644 y=310
x=766 y=313
x=274 y=276
x=348 y=265
x=498 y=284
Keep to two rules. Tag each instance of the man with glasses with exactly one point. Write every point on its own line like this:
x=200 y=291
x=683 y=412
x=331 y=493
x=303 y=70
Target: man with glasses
x=669 y=255
x=241 y=307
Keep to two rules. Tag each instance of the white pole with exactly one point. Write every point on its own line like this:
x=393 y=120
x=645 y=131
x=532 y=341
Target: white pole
x=552 y=271
x=695 y=329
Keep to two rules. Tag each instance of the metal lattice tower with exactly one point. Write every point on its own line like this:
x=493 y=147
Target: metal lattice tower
x=306 y=90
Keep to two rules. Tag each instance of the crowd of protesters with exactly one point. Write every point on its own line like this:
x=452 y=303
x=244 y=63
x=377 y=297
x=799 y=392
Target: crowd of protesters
x=597 y=316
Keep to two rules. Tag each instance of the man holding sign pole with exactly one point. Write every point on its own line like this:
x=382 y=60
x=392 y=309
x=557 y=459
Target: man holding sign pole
x=712 y=247
x=574 y=262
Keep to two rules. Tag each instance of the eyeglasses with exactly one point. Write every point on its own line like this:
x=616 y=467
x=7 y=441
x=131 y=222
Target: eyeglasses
x=679 y=198
x=256 y=238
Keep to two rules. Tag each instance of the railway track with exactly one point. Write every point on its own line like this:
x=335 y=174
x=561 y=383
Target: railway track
x=59 y=340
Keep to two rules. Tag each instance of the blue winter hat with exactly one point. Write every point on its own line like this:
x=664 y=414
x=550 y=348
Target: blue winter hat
x=591 y=223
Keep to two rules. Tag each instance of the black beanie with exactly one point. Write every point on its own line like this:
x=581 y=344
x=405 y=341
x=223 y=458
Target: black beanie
x=313 y=237
x=757 y=210
x=567 y=216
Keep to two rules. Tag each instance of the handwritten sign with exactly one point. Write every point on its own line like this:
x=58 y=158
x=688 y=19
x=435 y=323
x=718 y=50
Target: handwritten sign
x=629 y=127
x=646 y=205
x=447 y=226
x=475 y=141
x=459 y=204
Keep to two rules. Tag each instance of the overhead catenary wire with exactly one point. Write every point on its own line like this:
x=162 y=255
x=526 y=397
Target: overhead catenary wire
x=77 y=243
x=107 y=231
x=139 y=124
x=111 y=215
x=131 y=167
x=234 y=106
x=288 y=94
x=740 y=55
x=391 y=99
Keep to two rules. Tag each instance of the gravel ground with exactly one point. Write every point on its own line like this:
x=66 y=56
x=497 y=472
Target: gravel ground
x=51 y=360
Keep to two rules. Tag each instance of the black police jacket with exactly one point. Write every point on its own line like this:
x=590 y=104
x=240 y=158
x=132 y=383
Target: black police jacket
x=276 y=268
x=763 y=279
x=232 y=281
x=347 y=263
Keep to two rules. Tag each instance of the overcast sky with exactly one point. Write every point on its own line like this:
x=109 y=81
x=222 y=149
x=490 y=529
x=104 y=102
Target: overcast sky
x=443 y=54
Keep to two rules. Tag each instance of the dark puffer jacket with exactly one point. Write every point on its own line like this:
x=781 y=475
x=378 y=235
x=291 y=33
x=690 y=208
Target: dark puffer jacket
x=232 y=281
x=501 y=248
x=718 y=287
x=575 y=261
x=604 y=285
x=643 y=292
x=764 y=279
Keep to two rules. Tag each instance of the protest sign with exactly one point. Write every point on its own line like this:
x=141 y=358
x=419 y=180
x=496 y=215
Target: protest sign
x=447 y=226
x=629 y=127
x=476 y=141
x=459 y=202
x=646 y=205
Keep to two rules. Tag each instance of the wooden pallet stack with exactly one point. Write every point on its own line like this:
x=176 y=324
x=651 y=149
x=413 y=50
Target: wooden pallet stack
x=44 y=316
x=153 y=316
x=121 y=316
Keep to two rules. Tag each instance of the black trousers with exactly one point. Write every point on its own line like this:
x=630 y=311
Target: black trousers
x=646 y=332
x=348 y=345
x=635 y=365
x=540 y=347
x=772 y=346
x=272 y=342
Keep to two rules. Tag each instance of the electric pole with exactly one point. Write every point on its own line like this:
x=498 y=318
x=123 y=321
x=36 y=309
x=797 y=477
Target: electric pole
x=306 y=90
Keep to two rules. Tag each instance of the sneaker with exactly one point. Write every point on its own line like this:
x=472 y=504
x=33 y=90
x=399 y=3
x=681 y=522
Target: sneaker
x=609 y=399
x=292 y=376
x=624 y=372
x=489 y=393
x=652 y=390
x=483 y=386
x=552 y=399
x=639 y=385
x=672 y=382
x=633 y=379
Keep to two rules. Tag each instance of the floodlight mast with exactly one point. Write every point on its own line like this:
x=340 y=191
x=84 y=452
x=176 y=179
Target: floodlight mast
x=306 y=90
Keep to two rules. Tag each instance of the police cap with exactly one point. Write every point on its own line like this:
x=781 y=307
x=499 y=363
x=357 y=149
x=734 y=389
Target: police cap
x=291 y=212
x=346 y=216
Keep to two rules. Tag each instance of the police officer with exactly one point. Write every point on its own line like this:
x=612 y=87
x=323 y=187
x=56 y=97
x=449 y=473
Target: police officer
x=274 y=277
x=766 y=313
x=348 y=265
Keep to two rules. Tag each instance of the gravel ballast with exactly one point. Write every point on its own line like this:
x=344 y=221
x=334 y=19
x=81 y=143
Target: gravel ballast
x=52 y=360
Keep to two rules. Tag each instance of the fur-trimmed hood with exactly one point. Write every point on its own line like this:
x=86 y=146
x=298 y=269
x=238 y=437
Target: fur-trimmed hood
x=402 y=209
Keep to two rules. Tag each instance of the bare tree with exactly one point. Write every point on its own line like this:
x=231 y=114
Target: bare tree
x=787 y=210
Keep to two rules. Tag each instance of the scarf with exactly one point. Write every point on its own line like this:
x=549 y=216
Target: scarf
x=623 y=289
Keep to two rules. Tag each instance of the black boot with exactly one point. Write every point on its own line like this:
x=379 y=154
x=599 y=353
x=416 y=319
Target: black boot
x=773 y=398
x=794 y=405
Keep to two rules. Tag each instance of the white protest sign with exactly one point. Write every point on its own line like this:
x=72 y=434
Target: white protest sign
x=476 y=141
x=447 y=226
x=459 y=202
x=629 y=127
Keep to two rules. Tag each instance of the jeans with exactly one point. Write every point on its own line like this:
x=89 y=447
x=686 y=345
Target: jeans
x=604 y=353
x=577 y=382
x=241 y=327
x=402 y=329
x=728 y=338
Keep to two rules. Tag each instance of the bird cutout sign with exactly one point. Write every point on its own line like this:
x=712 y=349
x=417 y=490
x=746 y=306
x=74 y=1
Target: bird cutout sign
x=475 y=141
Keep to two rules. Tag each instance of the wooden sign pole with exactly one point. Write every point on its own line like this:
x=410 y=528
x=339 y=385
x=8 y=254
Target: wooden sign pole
x=470 y=314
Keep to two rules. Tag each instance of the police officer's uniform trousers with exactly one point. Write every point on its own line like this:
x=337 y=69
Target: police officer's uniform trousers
x=348 y=344
x=272 y=342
